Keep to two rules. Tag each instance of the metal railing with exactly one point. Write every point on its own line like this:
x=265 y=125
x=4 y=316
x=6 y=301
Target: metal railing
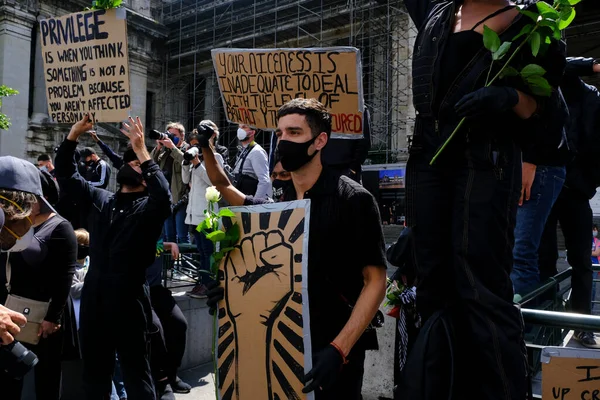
x=184 y=271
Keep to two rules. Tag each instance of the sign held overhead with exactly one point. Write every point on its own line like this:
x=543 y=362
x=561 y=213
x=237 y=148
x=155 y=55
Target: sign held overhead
x=254 y=83
x=86 y=66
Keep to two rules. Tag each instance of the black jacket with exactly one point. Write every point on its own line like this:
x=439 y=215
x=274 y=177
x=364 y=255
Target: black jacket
x=538 y=137
x=583 y=172
x=98 y=174
x=122 y=239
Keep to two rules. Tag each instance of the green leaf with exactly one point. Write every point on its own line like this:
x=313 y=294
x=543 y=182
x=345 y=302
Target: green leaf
x=227 y=250
x=509 y=71
x=203 y=226
x=550 y=23
x=532 y=70
x=525 y=31
x=226 y=212
x=535 y=40
x=546 y=10
x=216 y=236
x=530 y=14
x=491 y=40
x=573 y=2
x=233 y=233
x=539 y=85
x=499 y=55
x=567 y=15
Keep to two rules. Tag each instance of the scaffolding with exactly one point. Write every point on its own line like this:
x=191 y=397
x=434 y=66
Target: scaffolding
x=378 y=28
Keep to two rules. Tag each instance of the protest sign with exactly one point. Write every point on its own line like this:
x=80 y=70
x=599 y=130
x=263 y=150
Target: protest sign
x=263 y=341
x=86 y=66
x=254 y=83
x=569 y=373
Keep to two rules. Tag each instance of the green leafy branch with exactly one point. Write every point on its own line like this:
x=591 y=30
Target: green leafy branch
x=547 y=25
x=105 y=4
x=223 y=242
x=5 y=91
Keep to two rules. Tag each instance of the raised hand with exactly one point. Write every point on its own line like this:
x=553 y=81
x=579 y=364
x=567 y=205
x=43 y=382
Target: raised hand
x=80 y=127
x=134 y=130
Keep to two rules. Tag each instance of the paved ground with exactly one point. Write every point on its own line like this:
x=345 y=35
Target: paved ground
x=202 y=380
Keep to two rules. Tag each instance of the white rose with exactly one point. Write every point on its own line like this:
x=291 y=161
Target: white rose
x=212 y=195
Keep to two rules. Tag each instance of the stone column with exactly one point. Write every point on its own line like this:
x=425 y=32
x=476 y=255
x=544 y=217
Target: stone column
x=138 y=83
x=15 y=57
x=40 y=105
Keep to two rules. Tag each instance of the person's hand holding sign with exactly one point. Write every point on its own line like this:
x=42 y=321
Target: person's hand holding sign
x=80 y=127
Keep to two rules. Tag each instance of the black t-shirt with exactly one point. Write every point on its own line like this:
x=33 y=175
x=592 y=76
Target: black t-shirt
x=345 y=236
x=44 y=271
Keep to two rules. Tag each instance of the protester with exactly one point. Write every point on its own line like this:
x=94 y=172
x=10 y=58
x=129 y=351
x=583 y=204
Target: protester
x=345 y=287
x=21 y=201
x=469 y=197
x=44 y=163
x=98 y=171
x=170 y=336
x=222 y=150
x=281 y=180
x=124 y=228
x=42 y=272
x=195 y=175
x=251 y=170
x=572 y=208
x=168 y=154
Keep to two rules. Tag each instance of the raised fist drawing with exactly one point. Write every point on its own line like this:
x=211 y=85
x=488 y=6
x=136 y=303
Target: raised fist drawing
x=263 y=257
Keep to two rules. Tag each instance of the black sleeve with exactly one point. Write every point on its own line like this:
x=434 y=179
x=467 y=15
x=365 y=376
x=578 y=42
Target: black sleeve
x=117 y=160
x=418 y=10
x=368 y=221
x=159 y=195
x=253 y=201
x=62 y=259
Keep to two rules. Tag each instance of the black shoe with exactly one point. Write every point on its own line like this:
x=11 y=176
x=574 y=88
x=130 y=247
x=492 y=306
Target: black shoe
x=180 y=386
x=165 y=392
x=587 y=339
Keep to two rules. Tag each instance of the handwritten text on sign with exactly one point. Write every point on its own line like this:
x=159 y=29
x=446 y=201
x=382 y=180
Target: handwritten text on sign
x=255 y=83
x=86 y=66
x=571 y=378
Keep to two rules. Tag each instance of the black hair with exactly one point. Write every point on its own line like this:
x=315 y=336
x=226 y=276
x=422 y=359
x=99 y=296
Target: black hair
x=49 y=188
x=44 y=157
x=129 y=155
x=317 y=116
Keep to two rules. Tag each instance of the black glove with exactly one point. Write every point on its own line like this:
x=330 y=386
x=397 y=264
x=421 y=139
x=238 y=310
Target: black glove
x=327 y=366
x=205 y=132
x=487 y=100
x=214 y=294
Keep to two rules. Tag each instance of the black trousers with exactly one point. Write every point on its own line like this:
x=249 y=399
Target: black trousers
x=169 y=339
x=112 y=323
x=47 y=371
x=349 y=383
x=575 y=215
x=463 y=214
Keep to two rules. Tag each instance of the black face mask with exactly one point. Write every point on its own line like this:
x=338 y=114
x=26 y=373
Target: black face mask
x=295 y=155
x=129 y=176
x=82 y=251
x=89 y=163
x=280 y=187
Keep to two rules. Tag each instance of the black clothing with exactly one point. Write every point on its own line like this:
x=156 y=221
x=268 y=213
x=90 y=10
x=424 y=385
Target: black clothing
x=583 y=172
x=224 y=152
x=572 y=209
x=469 y=197
x=347 y=155
x=44 y=271
x=124 y=229
x=348 y=385
x=169 y=337
x=48 y=371
x=338 y=204
x=98 y=174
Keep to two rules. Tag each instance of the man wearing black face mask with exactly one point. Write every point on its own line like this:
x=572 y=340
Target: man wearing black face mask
x=98 y=171
x=124 y=229
x=345 y=287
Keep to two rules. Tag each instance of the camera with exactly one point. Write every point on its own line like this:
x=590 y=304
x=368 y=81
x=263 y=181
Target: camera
x=156 y=135
x=17 y=360
x=191 y=153
x=181 y=203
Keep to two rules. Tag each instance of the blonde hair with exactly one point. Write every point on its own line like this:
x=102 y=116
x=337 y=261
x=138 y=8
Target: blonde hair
x=83 y=237
x=17 y=204
x=177 y=126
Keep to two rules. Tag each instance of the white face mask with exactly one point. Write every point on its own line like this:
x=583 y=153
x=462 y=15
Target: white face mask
x=242 y=134
x=22 y=243
x=44 y=168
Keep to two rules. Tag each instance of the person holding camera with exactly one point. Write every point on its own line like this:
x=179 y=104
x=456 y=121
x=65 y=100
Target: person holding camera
x=38 y=280
x=251 y=171
x=124 y=228
x=194 y=173
x=168 y=154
